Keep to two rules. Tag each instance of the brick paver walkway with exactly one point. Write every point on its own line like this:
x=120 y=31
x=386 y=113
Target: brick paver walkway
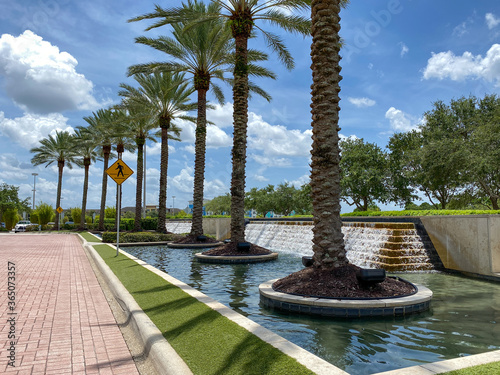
x=61 y=320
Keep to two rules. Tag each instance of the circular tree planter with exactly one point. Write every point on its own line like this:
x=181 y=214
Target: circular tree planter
x=348 y=307
x=194 y=245
x=235 y=259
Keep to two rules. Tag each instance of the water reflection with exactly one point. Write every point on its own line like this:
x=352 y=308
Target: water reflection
x=462 y=319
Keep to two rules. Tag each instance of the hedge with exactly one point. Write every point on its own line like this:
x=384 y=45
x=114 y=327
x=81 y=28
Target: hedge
x=110 y=237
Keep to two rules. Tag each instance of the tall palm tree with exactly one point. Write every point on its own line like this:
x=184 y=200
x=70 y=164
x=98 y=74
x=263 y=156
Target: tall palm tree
x=204 y=51
x=59 y=149
x=165 y=97
x=241 y=15
x=100 y=125
x=86 y=147
x=328 y=240
x=138 y=127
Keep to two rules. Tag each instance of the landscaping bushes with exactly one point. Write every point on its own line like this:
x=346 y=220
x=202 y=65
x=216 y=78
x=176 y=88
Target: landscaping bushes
x=110 y=237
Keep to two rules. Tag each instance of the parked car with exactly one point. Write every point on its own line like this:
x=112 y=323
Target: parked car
x=22 y=225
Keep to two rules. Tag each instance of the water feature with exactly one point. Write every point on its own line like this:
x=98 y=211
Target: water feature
x=179 y=227
x=464 y=317
x=392 y=246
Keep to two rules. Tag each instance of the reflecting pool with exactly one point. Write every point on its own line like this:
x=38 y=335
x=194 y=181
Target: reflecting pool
x=464 y=318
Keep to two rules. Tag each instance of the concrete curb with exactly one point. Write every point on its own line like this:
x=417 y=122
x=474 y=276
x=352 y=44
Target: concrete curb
x=165 y=358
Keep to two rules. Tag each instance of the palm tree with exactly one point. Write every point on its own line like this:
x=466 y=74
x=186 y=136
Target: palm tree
x=100 y=125
x=86 y=148
x=164 y=96
x=328 y=240
x=60 y=150
x=138 y=127
x=204 y=52
x=241 y=16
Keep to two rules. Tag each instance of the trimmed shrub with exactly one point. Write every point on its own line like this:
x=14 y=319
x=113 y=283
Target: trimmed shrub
x=149 y=223
x=110 y=237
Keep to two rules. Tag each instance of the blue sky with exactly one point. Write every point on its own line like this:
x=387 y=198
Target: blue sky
x=60 y=60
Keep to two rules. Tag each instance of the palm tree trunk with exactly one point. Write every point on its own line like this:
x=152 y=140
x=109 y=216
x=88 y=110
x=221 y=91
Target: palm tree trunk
x=328 y=240
x=85 y=191
x=106 y=150
x=138 y=192
x=199 y=164
x=60 y=166
x=162 y=201
x=240 y=122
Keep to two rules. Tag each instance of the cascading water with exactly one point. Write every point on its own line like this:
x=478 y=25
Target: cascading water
x=392 y=246
x=179 y=227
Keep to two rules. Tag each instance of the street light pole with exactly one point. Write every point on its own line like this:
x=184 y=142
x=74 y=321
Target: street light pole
x=173 y=203
x=34 y=188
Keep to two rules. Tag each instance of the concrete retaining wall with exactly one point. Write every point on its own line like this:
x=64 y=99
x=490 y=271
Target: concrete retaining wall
x=466 y=243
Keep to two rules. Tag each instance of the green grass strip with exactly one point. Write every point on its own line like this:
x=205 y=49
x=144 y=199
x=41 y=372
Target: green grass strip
x=487 y=369
x=208 y=342
x=89 y=237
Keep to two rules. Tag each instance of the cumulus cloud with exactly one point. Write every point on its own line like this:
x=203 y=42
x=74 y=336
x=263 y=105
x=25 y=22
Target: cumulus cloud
x=277 y=140
x=28 y=130
x=216 y=137
x=183 y=182
x=458 y=68
x=362 y=102
x=42 y=79
x=491 y=20
x=404 y=49
x=400 y=121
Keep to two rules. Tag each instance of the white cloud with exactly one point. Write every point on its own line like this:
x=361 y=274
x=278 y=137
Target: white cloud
x=302 y=180
x=277 y=140
x=491 y=20
x=404 y=49
x=221 y=116
x=458 y=68
x=184 y=181
x=216 y=137
x=271 y=161
x=28 y=130
x=260 y=178
x=40 y=78
x=362 y=102
x=400 y=121
x=460 y=30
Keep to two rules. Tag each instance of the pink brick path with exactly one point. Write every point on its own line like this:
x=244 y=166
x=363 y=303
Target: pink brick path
x=62 y=319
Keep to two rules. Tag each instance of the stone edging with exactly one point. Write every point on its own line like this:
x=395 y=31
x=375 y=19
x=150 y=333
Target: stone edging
x=337 y=308
x=235 y=259
x=194 y=245
x=165 y=358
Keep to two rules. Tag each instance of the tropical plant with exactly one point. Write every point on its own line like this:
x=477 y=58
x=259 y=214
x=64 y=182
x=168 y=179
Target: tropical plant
x=86 y=147
x=241 y=16
x=328 y=240
x=11 y=217
x=138 y=127
x=45 y=213
x=165 y=95
x=101 y=128
x=58 y=149
x=9 y=199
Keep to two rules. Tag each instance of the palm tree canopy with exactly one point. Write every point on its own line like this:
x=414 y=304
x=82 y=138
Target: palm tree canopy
x=59 y=149
x=86 y=146
x=161 y=95
x=241 y=16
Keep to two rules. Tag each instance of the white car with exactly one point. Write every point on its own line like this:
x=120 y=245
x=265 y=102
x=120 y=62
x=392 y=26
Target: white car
x=22 y=225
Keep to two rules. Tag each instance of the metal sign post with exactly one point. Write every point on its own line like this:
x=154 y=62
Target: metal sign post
x=119 y=172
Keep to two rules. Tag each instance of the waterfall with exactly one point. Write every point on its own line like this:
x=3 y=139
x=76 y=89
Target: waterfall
x=392 y=246
x=179 y=227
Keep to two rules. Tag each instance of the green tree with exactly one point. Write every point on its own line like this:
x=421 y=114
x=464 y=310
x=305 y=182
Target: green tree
x=59 y=149
x=165 y=96
x=100 y=124
x=220 y=205
x=45 y=213
x=9 y=199
x=364 y=173
x=86 y=148
x=11 y=217
x=241 y=15
x=328 y=240
x=139 y=126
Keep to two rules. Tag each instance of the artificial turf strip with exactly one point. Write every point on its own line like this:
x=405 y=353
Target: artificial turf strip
x=487 y=369
x=208 y=342
x=89 y=237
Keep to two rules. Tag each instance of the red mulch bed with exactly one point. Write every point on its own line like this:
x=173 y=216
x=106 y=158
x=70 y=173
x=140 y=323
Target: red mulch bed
x=192 y=239
x=339 y=283
x=230 y=248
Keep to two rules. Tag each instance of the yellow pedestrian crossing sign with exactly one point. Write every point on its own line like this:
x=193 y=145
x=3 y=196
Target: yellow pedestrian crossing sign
x=119 y=171
x=59 y=209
